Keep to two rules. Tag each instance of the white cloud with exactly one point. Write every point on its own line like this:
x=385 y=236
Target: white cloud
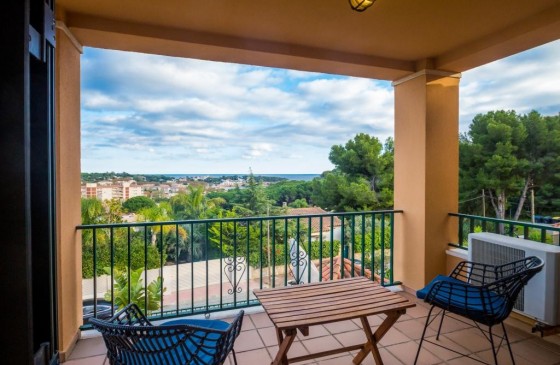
x=522 y=82
x=153 y=114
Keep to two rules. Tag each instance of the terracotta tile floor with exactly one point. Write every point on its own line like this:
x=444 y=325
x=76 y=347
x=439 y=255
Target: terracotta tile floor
x=257 y=345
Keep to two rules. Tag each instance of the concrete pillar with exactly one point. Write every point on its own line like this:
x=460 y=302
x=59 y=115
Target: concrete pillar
x=68 y=210
x=426 y=173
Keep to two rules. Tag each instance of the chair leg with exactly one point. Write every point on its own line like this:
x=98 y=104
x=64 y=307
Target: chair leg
x=440 y=324
x=423 y=334
x=234 y=358
x=493 y=347
x=508 y=344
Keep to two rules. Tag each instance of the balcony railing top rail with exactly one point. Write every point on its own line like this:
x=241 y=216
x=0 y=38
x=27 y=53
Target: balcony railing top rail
x=177 y=268
x=237 y=219
x=534 y=231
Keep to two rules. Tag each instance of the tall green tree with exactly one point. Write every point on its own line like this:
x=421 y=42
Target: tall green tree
x=542 y=151
x=362 y=178
x=338 y=192
x=257 y=199
x=365 y=157
x=492 y=158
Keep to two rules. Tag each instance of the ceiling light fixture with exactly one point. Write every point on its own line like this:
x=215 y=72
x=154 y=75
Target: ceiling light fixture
x=361 y=5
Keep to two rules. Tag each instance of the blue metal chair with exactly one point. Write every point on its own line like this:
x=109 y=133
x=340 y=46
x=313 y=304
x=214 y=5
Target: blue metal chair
x=482 y=293
x=132 y=340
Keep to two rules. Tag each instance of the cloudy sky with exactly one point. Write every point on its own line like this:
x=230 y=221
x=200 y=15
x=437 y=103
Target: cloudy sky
x=153 y=114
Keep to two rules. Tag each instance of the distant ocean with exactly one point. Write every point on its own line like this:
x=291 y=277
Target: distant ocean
x=302 y=177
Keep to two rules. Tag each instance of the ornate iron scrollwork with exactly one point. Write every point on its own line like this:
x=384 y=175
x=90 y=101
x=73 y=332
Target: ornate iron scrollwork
x=234 y=269
x=298 y=260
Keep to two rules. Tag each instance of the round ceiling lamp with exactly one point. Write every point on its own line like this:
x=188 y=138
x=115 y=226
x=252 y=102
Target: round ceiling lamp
x=361 y=5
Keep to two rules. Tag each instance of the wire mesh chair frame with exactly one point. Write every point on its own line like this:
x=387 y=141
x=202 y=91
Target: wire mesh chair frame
x=131 y=338
x=482 y=293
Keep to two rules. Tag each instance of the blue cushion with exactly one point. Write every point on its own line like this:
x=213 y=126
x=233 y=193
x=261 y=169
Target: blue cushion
x=471 y=301
x=421 y=294
x=208 y=340
x=206 y=323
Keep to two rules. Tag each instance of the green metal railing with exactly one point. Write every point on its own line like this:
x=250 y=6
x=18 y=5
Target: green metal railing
x=532 y=231
x=185 y=267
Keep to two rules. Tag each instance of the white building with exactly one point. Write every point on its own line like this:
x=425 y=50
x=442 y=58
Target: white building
x=105 y=190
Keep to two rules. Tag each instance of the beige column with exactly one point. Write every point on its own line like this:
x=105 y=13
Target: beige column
x=68 y=211
x=426 y=173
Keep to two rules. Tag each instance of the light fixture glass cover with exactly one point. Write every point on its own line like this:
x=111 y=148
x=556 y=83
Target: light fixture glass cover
x=361 y=5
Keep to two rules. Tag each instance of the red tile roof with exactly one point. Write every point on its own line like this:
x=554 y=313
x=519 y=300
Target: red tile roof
x=326 y=270
x=315 y=226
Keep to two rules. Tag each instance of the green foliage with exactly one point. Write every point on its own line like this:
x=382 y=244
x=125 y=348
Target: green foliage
x=105 y=176
x=92 y=211
x=338 y=192
x=120 y=251
x=147 y=298
x=134 y=205
x=299 y=203
x=326 y=249
x=289 y=191
x=507 y=154
x=362 y=178
x=257 y=241
x=194 y=204
x=257 y=199
x=366 y=157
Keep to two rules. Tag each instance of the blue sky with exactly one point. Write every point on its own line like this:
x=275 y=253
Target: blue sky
x=153 y=114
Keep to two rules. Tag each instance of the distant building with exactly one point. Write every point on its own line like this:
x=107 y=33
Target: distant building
x=105 y=190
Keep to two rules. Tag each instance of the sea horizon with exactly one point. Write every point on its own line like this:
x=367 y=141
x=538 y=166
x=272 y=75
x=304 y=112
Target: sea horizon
x=301 y=177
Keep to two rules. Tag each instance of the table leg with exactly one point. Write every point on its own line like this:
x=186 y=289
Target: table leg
x=284 y=344
x=374 y=338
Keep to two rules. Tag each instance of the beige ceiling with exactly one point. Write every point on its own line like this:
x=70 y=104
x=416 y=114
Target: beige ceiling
x=388 y=41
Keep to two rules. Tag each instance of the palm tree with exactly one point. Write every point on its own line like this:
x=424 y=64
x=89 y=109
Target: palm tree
x=194 y=204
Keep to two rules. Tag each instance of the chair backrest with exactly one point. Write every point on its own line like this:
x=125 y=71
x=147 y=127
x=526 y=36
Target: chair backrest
x=510 y=279
x=131 y=339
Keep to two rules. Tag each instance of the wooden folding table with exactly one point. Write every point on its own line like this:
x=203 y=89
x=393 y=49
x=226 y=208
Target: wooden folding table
x=299 y=307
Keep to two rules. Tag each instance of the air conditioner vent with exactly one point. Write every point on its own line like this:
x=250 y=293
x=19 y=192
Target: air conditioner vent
x=540 y=298
x=492 y=254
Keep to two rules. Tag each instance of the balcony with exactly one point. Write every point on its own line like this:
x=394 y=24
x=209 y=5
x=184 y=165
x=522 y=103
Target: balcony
x=201 y=266
x=219 y=283
x=42 y=163
x=257 y=342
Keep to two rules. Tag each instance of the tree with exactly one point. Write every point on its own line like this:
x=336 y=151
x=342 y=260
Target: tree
x=542 y=151
x=137 y=203
x=362 y=178
x=298 y=203
x=491 y=157
x=363 y=157
x=193 y=204
x=338 y=192
x=114 y=210
x=92 y=211
x=289 y=191
x=257 y=200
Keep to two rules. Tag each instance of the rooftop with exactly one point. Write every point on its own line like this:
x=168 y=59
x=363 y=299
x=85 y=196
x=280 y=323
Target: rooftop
x=315 y=222
x=257 y=342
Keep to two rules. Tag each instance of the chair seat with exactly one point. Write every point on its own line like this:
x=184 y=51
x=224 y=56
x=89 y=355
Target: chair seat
x=422 y=293
x=206 y=323
x=475 y=302
x=201 y=343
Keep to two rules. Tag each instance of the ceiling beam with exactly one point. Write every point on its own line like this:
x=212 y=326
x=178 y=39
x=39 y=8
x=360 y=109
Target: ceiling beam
x=531 y=32
x=110 y=34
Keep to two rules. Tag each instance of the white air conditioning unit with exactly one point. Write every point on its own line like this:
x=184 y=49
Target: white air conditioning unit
x=540 y=298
